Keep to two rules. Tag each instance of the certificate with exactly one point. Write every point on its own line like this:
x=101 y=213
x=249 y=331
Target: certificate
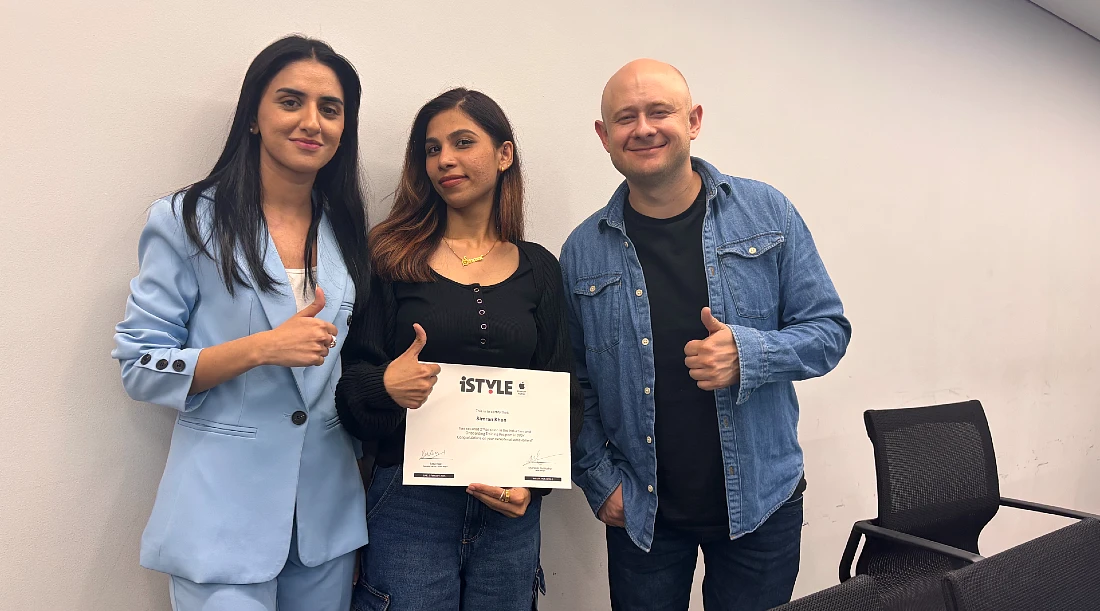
x=493 y=426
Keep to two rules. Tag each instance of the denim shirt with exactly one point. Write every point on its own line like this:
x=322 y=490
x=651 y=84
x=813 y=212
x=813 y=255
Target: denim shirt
x=766 y=281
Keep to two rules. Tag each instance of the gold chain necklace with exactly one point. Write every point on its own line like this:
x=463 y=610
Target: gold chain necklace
x=467 y=260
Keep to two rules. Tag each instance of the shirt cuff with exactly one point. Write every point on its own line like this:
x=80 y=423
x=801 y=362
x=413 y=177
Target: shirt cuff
x=601 y=481
x=752 y=360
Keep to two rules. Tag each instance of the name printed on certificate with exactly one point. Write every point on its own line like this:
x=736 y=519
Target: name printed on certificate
x=490 y=425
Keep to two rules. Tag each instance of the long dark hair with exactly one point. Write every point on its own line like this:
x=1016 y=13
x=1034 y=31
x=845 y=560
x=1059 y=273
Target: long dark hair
x=237 y=220
x=402 y=245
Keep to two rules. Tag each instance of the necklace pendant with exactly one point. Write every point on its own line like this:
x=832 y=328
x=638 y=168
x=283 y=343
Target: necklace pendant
x=466 y=261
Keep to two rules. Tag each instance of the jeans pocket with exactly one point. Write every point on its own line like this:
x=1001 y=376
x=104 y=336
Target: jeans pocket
x=366 y=598
x=384 y=483
x=794 y=501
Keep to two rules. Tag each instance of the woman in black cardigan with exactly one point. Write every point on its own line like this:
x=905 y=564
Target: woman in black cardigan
x=453 y=282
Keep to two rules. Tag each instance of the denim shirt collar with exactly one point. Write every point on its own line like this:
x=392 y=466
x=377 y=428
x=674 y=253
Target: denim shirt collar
x=712 y=179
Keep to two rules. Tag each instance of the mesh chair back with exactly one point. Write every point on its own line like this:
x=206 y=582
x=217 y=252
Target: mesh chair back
x=857 y=594
x=937 y=479
x=936 y=471
x=1059 y=571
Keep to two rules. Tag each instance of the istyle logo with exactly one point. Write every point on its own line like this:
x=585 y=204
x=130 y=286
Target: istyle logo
x=482 y=385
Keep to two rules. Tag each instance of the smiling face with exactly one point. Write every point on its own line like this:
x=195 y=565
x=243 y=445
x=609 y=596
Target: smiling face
x=300 y=118
x=648 y=121
x=461 y=159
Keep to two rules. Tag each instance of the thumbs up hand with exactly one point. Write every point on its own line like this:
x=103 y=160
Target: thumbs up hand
x=303 y=340
x=713 y=362
x=407 y=380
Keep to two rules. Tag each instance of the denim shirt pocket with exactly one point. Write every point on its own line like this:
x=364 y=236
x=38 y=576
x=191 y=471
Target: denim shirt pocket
x=599 y=299
x=750 y=268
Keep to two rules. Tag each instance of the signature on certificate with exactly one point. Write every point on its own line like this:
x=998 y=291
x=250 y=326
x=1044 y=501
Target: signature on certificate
x=538 y=459
x=430 y=454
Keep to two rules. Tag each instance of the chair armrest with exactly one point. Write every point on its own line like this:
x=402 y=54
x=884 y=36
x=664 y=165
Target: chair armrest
x=1057 y=511
x=849 y=555
x=869 y=530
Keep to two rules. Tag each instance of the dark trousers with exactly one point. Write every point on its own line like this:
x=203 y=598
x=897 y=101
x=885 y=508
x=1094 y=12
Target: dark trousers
x=751 y=573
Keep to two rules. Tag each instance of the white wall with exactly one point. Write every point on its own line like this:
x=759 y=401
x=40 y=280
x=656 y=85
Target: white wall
x=944 y=153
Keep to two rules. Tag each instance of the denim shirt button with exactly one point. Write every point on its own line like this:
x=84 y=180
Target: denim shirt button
x=648 y=439
x=645 y=341
x=651 y=487
x=646 y=391
x=638 y=292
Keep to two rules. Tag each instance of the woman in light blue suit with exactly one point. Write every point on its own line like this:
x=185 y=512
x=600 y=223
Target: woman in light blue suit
x=236 y=318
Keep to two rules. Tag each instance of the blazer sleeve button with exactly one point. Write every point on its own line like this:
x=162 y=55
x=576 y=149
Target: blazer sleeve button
x=179 y=365
x=145 y=359
x=161 y=364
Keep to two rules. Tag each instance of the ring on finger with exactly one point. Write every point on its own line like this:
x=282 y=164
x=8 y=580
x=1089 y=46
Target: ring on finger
x=332 y=344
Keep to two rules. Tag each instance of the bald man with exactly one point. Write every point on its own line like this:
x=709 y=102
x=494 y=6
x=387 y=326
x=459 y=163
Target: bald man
x=696 y=299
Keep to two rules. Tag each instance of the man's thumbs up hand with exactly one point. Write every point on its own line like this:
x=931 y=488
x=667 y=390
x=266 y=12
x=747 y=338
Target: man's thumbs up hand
x=713 y=362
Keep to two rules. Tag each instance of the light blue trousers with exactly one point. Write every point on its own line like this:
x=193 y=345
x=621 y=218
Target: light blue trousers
x=297 y=588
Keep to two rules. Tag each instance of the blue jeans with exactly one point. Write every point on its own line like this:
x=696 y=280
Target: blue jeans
x=436 y=548
x=754 y=572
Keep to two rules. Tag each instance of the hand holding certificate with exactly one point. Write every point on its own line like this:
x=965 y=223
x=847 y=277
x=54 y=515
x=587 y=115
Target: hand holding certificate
x=505 y=427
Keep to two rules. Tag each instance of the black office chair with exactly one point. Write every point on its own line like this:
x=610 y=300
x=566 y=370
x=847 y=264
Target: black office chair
x=1059 y=571
x=937 y=489
x=856 y=594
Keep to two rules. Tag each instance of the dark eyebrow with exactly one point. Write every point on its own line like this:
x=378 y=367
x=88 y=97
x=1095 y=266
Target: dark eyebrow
x=324 y=98
x=456 y=133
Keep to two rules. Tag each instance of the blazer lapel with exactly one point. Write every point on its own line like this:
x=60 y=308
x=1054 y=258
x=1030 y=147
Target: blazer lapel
x=332 y=276
x=278 y=305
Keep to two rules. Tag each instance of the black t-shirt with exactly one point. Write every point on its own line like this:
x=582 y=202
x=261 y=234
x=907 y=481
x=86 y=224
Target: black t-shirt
x=466 y=324
x=690 y=484
x=691 y=489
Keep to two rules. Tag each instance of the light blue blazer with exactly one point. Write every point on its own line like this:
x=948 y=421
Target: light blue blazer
x=251 y=453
